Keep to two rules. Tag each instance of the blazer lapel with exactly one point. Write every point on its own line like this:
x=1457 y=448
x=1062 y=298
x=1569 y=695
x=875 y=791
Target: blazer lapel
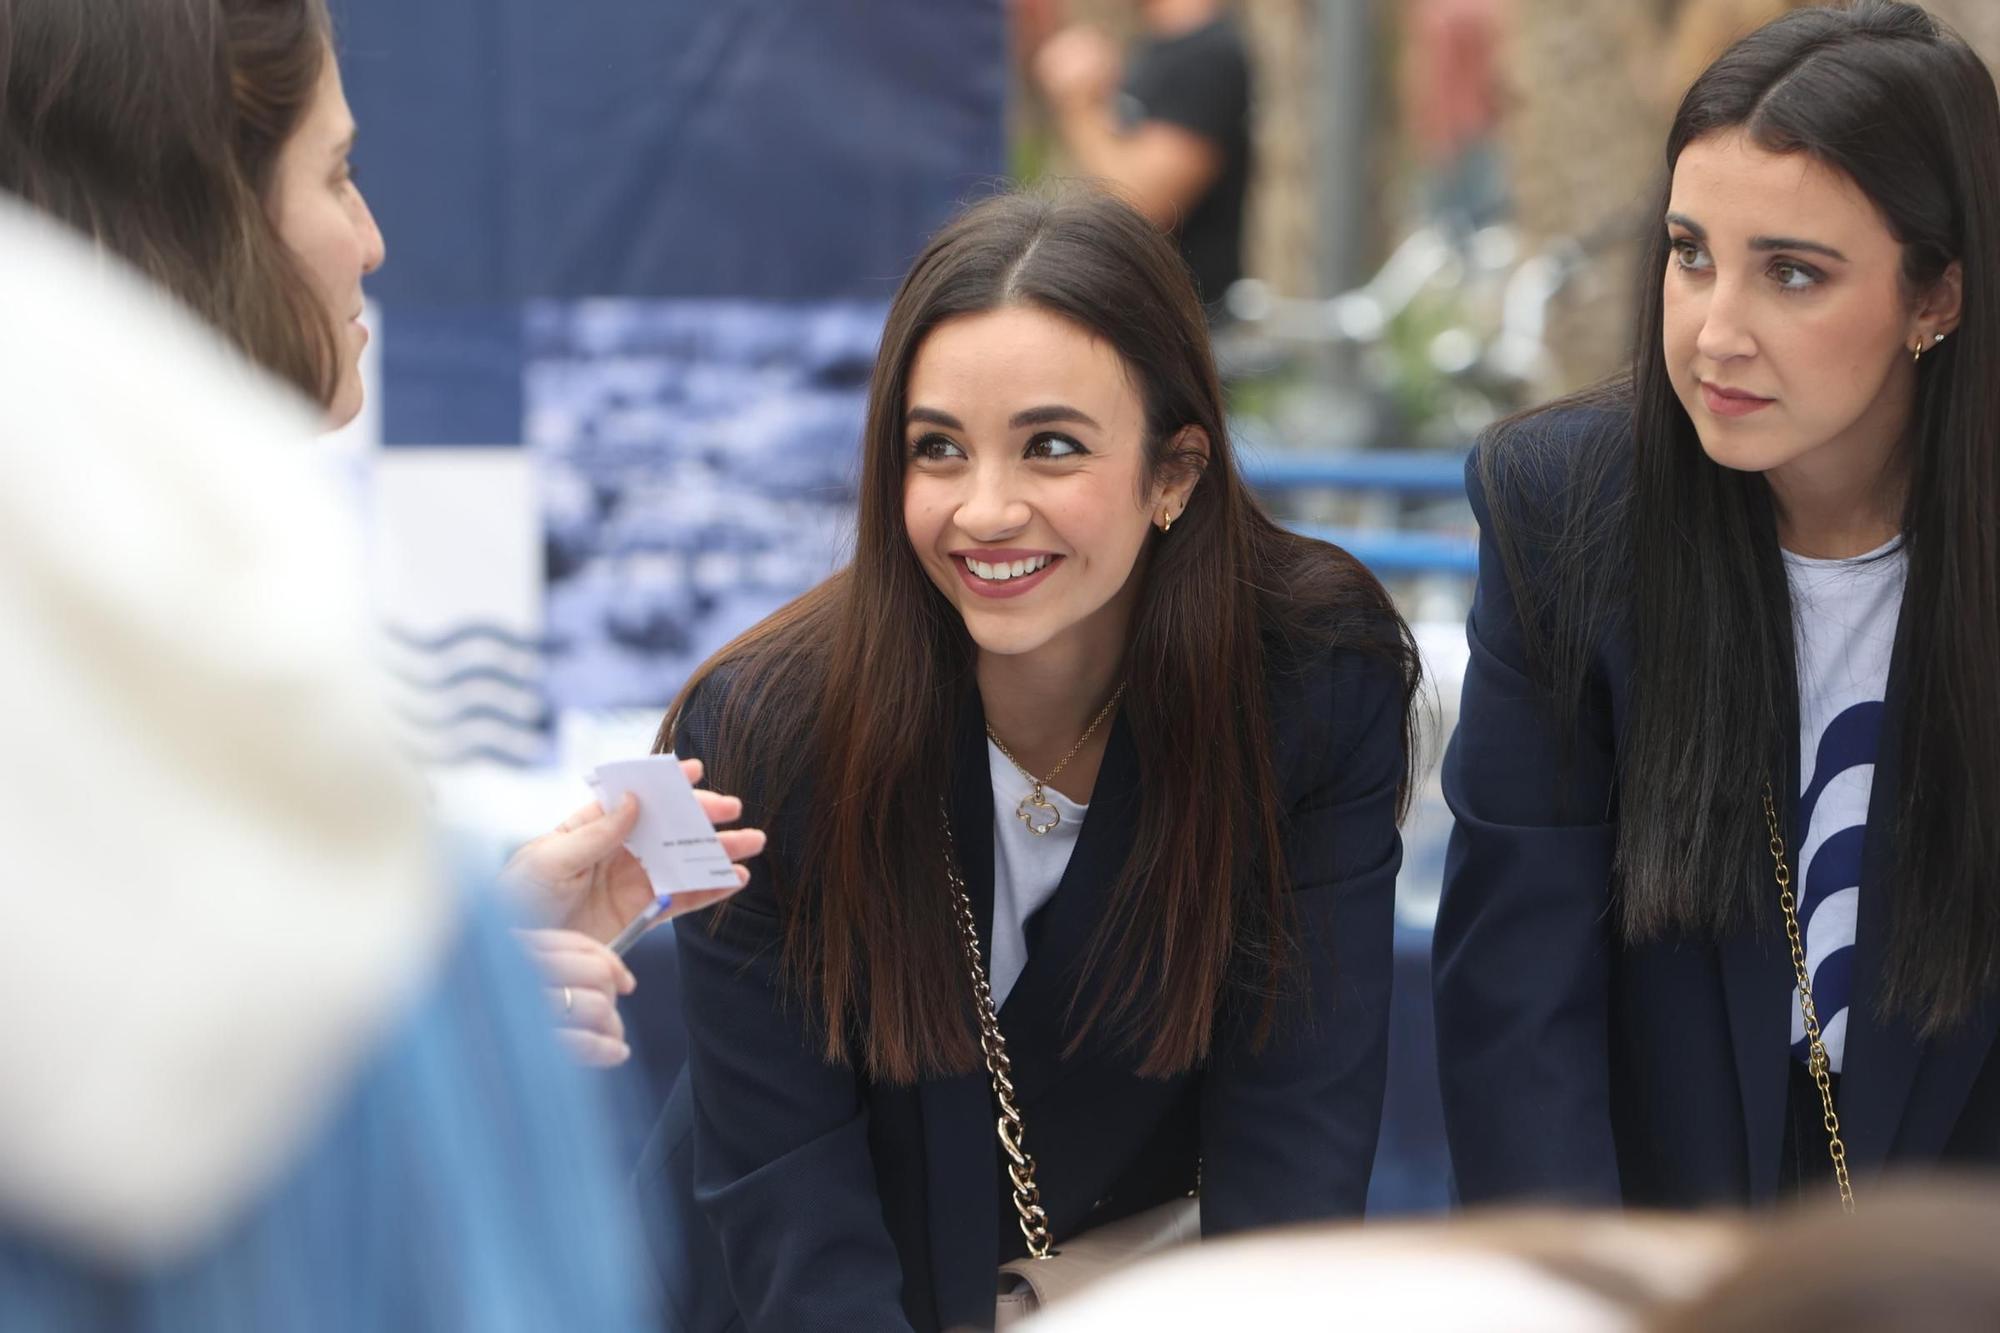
x=961 y=1151
x=961 y=1155
x=1881 y=1056
x=960 y=1145
x=1059 y=936
x=1886 y=1058
x=1755 y=980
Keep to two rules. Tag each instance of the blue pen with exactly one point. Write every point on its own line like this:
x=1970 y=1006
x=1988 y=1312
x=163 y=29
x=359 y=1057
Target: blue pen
x=626 y=938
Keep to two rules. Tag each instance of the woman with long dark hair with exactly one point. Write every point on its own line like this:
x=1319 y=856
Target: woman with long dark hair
x=209 y=144
x=1080 y=718
x=1720 y=919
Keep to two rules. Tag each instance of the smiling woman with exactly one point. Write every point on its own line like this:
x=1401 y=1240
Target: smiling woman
x=1068 y=470
x=1081 y=733
x=1719 y=918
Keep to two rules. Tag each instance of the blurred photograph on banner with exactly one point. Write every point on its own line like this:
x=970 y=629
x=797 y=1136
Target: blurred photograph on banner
x=696 y=466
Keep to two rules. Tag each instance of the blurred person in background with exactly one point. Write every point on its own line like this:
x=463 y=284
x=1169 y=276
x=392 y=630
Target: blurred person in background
x=1167 y=125
x=210 y=145
x=1719 y=921
x=1452 y=101
x=1920 y=1257
x=1080 y=732
x=264 y=1068
x=1505 y=1271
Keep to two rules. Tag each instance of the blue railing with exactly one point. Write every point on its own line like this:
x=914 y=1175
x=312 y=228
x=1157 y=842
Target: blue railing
x=1392 y=553
x=1423 y=472
x=1415 y=473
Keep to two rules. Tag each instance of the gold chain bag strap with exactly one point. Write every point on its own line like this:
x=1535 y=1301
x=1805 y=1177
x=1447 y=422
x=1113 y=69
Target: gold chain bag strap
x=1048 y=1274
x=1816 y=1057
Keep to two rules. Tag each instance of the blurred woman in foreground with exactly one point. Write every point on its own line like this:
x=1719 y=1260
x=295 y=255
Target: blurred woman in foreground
x=263 y=1068
x=210 y=144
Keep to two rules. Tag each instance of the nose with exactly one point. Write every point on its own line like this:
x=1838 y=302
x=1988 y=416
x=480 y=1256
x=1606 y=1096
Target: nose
x=374 y=250
x=1725 y=328
x=991 y=508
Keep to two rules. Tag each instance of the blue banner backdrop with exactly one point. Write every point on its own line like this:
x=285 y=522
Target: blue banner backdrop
x=516 y=150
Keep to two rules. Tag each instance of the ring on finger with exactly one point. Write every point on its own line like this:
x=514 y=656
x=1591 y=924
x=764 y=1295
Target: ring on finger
x=569 y=999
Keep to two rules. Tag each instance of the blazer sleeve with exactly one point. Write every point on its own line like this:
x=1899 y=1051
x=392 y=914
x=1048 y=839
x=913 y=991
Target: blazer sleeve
x=1520 y=961
x=1288 y=1132
x=782 y=1167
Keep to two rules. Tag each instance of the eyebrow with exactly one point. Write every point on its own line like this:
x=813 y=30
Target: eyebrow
x=1033 y=416
x=1760 y=243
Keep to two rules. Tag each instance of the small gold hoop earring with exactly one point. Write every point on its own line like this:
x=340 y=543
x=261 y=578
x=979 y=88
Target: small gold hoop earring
x=1167 y=523
x=1917 y=350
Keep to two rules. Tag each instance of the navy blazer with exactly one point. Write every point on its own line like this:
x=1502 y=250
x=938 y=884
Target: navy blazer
x=786 y=1193
x=1576 y=1066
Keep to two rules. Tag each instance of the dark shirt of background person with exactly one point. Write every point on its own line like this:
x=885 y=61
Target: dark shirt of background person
x=1200 y=81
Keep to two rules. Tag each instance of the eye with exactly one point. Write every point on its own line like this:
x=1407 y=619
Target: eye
x=1051 y=445
x=933 y=448
x=1688 y=254
x=1793 y=276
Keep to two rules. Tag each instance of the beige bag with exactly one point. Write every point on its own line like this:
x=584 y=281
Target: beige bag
x=1047 y=1274
x=1026 y=1285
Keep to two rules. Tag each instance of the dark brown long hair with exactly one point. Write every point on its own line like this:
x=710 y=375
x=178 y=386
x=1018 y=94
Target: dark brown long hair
x=153 y=126
x=865 y=676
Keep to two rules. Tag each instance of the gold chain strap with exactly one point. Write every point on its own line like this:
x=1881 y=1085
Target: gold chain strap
x=1816 y=1057
x=1020 y=1166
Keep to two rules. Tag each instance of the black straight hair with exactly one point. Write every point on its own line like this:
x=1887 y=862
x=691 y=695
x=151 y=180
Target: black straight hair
x=1653 y=539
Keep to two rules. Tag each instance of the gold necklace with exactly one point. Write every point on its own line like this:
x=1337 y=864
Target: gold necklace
x=1035 y=809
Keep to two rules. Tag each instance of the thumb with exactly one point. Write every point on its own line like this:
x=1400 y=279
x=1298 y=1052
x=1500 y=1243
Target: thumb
x=590 y=843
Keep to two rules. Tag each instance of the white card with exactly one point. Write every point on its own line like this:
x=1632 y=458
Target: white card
x=673 y=839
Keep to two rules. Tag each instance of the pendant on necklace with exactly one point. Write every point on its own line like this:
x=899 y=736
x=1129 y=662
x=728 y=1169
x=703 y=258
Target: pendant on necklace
x=1036 y=811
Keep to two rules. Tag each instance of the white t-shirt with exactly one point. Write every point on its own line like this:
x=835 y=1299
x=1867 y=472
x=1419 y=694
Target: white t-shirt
x=1844 y=616
x=1026 y=867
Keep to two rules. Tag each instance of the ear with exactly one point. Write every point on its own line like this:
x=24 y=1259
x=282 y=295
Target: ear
x=1180 y=471
x=1939 y=310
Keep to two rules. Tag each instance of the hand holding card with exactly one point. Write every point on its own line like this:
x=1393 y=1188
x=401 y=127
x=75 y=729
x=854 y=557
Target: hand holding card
x=673 y=839
x=581 y=876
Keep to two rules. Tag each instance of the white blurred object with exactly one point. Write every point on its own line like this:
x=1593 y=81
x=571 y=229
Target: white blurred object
x=1485 y=1273
x=217 y=887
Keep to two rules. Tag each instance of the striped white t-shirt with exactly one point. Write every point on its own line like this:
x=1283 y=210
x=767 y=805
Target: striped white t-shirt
x=1844 y=615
